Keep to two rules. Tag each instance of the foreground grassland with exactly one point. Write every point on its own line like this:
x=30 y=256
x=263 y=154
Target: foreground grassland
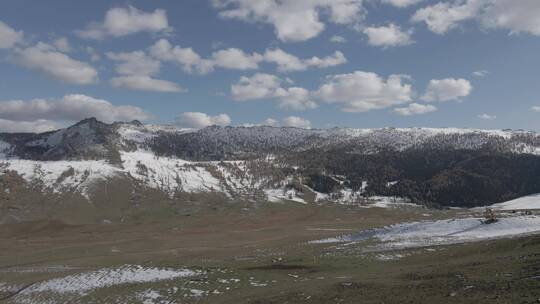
x=259 y=253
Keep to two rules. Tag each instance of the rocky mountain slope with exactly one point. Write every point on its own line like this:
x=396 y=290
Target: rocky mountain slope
x=448 y=167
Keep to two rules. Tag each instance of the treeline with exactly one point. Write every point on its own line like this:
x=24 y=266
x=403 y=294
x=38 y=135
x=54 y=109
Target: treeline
x=459 y=178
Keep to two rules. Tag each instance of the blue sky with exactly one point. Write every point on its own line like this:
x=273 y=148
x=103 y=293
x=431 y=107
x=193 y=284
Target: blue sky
x=304 y=63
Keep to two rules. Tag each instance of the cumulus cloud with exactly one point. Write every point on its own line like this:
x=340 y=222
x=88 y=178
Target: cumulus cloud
x=354 y=92
x=388 y=36
x=126 y=21
x=447 y=89
x=415 y=109
x=9 y=37
x=295 y=99
x=137 y=70
x=536 y=108
x=287 y=62
x=335 y=59
x=338 y=39
x=135 y=63
x=515 y=16
x=291 y=121
x=258 y=86
x=187 y=58
x=401 y=3
x=48 y=60
x=270 y=122
x=200 y=120
x=234 y=58
x=485 y=116
x=145 y=83
x=445 y=16
x=37 y=126
x=481 y=73
x=237 y=59
x=68 y=108
x=266 y=86
x=293 y=20
x=296 y=122
x=364 y=91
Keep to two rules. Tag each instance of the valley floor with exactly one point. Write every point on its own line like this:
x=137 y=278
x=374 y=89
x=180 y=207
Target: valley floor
x=273 y=253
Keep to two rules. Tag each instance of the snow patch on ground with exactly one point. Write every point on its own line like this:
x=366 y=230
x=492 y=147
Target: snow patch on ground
x=388 y=202
x=61 y=175
x=280 y=195
x=169 y=174
x=443 y=232
x=7 y=288
x=522 y=203
x=88 y=281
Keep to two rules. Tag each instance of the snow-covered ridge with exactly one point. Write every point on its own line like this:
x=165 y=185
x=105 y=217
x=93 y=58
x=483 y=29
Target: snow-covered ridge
x=236 y=161
x=167 y=174
x=141 y=133
x=91 y=139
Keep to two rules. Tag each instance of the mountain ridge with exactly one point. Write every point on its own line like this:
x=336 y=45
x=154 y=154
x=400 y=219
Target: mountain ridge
x=442 y=167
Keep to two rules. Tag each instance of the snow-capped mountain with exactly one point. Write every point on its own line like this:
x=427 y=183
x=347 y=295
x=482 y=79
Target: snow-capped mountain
x=441 y=166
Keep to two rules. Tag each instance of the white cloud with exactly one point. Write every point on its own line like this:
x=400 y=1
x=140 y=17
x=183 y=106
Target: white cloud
x=284 y=60
x=388 y=36
x=291 y=121
x=338 y=39
x=536 y=108
x=296 y=122
x=295 y=99
x=200 y=120
x=487 y=116
x=335 y=59
x=447 y=89
x=145 y=83
x=45 y=58
x=187 y=58
x=136 y=70
x=516 y=16
x=445 y=16
x=37 y=126
x=364 y=91
x=481 y=73
x=234 y=58
x=355 y=92
x=237 y=59
x=69 y=108
x=287 y=62
x=415 y=109
x=9 y=37
x=270 y=122
x=266 y=86
x=62 y=44
x=126 y=21
x=259 y=86
x=401 y=3
x=293 y=20
x=135 y=63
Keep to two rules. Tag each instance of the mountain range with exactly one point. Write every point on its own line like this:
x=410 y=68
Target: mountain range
x=435 y=167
